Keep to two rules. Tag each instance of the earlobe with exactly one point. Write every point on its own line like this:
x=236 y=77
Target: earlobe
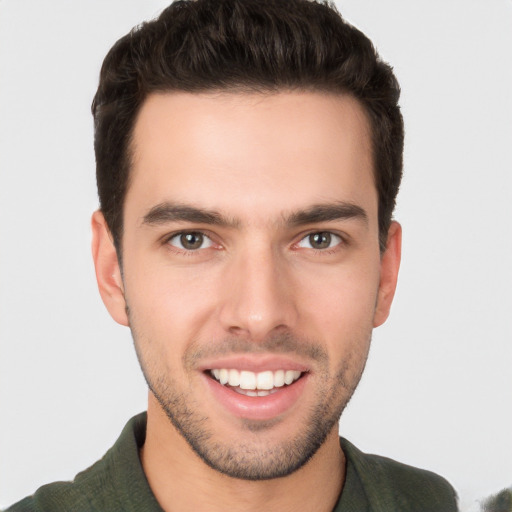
x=108 y=272
x=389 y=266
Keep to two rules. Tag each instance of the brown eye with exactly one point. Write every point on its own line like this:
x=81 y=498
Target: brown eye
x=320 y=240
x=191 y=241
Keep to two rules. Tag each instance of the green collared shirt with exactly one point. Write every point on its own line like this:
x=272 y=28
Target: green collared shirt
x=117 y=483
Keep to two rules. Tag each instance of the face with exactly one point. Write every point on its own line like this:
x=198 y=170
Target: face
x=252 y=276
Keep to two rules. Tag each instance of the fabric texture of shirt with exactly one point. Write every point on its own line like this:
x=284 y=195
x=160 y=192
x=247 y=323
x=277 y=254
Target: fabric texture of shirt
x=117 y=483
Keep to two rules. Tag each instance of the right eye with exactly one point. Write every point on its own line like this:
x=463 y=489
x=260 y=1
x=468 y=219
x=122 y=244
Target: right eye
x=190 y=241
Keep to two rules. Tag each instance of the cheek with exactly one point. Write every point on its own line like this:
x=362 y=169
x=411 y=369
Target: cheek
x=340 y=315
x=342 y=298
x=169 y=304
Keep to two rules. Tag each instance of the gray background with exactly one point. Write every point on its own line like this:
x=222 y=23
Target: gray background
x=437 y=391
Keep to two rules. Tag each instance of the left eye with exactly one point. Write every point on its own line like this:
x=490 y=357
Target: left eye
x=320 y=240
x=191 y=241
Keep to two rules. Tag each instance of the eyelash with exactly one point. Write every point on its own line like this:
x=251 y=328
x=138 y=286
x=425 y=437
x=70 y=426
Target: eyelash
x=342 y=241
x=183 y=251
x=327 y=250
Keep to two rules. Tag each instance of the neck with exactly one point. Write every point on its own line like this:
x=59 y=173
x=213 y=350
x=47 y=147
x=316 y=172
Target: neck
x=180 y=480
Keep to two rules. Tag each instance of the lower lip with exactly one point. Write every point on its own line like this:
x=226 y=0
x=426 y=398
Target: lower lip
x=257 y=407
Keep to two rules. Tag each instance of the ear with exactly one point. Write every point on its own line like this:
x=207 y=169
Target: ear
x=108 y=272
x=389 y=265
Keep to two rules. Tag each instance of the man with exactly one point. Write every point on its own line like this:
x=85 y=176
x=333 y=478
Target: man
x=248 y=155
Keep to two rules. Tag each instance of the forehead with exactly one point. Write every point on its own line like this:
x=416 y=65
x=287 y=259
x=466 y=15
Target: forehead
x=251 y=154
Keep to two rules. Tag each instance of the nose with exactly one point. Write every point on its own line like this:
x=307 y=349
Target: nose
x=258 y=295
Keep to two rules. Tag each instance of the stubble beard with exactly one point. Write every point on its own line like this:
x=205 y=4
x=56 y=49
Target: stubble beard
x=256 y=460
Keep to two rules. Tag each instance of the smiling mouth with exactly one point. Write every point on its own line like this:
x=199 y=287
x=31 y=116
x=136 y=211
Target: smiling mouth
x=255 y=383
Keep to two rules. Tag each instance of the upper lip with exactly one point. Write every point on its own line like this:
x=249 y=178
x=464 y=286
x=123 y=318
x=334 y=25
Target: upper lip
x=253 y=363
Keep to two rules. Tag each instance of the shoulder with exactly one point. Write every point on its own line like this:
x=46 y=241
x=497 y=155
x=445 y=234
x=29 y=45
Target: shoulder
x=115 y=482
x=389 y=482
x=57 y=497
x=79 y=495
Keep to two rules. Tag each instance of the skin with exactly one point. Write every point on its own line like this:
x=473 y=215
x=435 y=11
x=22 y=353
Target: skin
x=257 y=286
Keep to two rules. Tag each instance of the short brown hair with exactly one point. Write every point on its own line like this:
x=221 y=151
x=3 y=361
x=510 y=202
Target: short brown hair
x=248 y=45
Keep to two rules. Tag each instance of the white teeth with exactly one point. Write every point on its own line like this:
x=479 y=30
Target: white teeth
x=247 y=380
x=262 y=381
x=265 y=380
x=234 y=378
x=279 y=378
x=290 y=376
x=224 y=376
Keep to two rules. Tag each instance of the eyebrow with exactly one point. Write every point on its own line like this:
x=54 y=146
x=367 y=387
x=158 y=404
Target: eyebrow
x=176 y=212
x=326 y=213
